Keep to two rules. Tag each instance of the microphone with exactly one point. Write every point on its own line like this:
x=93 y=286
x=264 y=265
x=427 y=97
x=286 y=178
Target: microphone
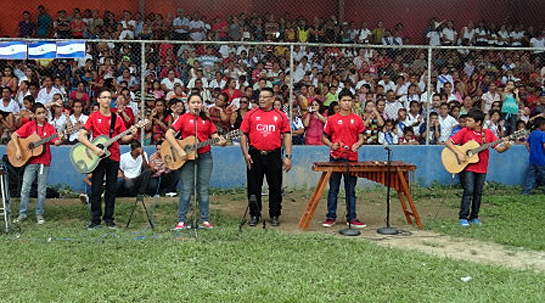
x=386 y=147
x=197 y=111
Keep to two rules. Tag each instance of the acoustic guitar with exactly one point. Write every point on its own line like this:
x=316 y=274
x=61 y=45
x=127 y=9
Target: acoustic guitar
x=471 y=149
x=85 y=160
x=174 y=161
x=32 y=146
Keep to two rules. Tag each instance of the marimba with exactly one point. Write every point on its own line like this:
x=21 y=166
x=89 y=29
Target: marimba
x=372 y=170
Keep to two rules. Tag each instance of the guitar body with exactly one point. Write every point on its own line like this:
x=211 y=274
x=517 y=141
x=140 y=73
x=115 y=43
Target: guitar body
x=451 y=162
x=27 y=150
x=84 y=159
x=172 y=159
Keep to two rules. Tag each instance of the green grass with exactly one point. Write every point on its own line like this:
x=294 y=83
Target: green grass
x=62 y=262
x=508 y=218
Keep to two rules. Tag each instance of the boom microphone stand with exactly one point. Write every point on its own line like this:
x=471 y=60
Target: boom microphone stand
x=388 y=230
x=195 y=168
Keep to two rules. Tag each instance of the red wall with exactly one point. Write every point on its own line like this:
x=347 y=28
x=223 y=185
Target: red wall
x=413 y=13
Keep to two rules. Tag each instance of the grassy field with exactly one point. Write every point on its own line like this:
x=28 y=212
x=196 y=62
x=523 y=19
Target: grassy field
x=62 y=262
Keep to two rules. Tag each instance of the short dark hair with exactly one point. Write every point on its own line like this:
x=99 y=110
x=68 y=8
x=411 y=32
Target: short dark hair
x=268 y=89
x=345 y=92
x=37 y=106
x=434 y=114
x=476 y=114
x=538 y=122
x=135 y=144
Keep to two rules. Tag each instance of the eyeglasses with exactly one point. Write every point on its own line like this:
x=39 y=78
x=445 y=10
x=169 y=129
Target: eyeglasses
x=243 y=102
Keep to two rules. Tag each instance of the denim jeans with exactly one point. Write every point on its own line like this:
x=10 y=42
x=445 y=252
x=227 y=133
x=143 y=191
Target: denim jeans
x=533 y=173
x=31 y=171
x=350 y=194
x=204 y=165
x=472 y=184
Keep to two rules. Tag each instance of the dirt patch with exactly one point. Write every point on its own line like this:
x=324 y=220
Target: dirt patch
x=372 y=210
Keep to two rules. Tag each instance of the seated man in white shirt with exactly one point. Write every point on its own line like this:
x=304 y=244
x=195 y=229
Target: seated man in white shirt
x=134 y=172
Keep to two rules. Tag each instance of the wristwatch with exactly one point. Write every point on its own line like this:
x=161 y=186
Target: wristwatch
x=288 y=156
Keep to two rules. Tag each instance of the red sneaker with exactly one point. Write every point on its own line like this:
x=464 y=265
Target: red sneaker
x=356 y=224
x=180 y=226
x=206 y=225
x=328 y=223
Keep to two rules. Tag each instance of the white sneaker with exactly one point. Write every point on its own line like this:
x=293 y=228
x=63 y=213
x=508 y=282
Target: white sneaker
x=40 y=219
x=171 y=194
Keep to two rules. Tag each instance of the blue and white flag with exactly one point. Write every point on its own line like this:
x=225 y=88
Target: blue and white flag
x=14 y=50
x=71 y=49
x=42 y=50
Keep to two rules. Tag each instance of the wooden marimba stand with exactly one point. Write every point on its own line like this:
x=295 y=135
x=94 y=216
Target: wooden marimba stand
x=372 y=170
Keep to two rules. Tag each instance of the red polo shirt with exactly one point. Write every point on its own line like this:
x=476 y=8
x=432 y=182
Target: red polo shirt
x=264 y=128
x=43 y=131
x=98 y=124
x=186 y=125
x=344 y=130
x=465 y=135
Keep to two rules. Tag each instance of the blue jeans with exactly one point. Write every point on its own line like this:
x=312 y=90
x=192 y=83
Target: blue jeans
x=204 y=171
x=350 y=194
x=533 y=173
x=472 y=184
x=31 y=171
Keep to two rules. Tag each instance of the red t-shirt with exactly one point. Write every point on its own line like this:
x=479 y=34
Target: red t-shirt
x=265 y=128
x=465 y=135
x=237 y=93
x=98 y=124
x=345 y=131
x=186 y=125
x=42 y=131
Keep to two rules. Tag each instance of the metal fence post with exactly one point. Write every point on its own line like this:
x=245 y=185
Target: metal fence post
x=142 y=88
x=429 y=96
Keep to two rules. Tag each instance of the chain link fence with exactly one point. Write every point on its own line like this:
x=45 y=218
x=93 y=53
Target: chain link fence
x=154 y=61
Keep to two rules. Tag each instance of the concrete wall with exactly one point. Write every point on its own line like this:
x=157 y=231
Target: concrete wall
x=229 y=169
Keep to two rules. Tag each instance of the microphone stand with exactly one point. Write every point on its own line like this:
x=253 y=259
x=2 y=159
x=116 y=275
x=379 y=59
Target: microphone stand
x=350 y=232
x=388 y=230
x=195 y=168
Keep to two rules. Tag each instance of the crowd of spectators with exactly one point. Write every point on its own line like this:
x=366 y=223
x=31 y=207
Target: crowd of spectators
x=390 y=85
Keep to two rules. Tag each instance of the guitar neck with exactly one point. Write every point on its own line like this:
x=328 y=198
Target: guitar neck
x=210 y=141
x=203 y=144
x=46 y=139
x=112 y=140
x=487 y=145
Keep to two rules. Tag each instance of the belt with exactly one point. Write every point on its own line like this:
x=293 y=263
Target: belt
x=264 y=152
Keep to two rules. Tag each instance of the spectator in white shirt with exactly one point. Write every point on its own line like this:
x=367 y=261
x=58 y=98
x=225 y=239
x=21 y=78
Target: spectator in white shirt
x=167 y=84
x=197 y=28
x=45 y=96
x=446 y=121
x=134 y=171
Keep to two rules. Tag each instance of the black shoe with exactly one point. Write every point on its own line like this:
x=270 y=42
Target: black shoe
x=254 y=221
x=94 y=226
x=111 y=225
x=275 y=221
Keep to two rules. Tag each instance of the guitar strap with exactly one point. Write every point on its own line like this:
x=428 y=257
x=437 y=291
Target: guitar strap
x=112 y=124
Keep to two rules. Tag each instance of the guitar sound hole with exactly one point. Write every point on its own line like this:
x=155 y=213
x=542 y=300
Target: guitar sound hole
x=31 y=146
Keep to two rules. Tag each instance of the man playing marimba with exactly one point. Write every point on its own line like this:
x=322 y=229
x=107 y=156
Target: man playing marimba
x=343 y=133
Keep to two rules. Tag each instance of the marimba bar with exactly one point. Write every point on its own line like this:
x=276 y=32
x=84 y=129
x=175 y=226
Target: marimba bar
x=372 y=170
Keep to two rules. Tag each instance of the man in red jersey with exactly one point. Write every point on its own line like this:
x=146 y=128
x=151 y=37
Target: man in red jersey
x=264 y=130
x=99 y=123
x=343 y=133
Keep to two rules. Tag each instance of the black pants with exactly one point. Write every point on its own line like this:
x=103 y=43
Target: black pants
x=166 y=183
x=270 y=166
x=134 y=186
x=109 y=168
